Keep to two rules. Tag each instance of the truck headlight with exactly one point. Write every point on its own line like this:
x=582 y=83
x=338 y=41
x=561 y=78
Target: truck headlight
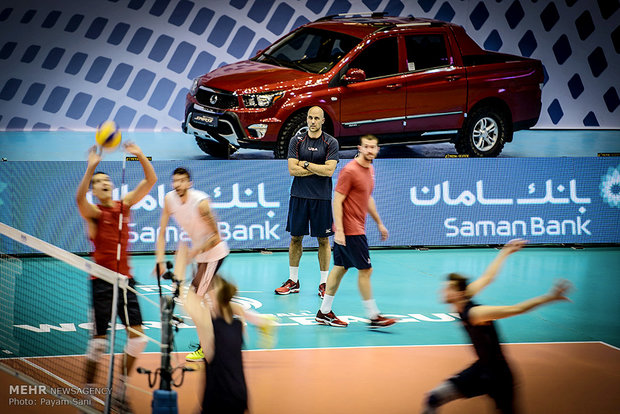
x=261 y=100
x=194 y=87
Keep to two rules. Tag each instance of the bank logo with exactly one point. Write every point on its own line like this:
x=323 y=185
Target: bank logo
x=610 y=187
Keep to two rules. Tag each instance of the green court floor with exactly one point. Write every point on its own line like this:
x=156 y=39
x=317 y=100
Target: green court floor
x=51 y=308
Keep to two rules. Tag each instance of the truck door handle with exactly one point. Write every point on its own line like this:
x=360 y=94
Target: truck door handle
x=452 y=78
x=395 y=86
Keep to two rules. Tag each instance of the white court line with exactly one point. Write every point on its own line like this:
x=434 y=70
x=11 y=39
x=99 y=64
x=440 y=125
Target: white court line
x=350 y=347
x=428 y=346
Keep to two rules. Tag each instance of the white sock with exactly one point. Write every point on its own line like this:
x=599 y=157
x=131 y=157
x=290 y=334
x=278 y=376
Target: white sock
x=293 y=273
x=326 y=306
x=324 y=274
x=371 y=308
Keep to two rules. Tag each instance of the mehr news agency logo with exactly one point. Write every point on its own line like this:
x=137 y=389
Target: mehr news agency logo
x=33 y=395
x=610 y=187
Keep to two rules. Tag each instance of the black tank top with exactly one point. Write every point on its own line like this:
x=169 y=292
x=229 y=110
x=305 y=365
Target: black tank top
x=225 y=391
x=484 y=338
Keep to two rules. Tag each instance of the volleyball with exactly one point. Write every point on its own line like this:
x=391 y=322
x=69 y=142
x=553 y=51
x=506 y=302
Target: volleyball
x=108 y=135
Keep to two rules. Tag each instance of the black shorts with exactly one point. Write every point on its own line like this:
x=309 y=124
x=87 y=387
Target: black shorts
x=480 y=380
x=354 y=254
x=102 y=305
x=302 y=211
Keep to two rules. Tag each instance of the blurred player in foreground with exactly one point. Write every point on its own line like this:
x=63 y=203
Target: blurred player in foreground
x=221 y=336
x=491 y=374
x=191 y=209
x=103 y=230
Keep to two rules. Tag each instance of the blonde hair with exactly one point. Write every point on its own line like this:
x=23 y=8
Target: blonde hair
x=225 y=293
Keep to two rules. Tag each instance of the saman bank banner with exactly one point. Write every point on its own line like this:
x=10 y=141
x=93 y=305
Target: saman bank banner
x=423 y=202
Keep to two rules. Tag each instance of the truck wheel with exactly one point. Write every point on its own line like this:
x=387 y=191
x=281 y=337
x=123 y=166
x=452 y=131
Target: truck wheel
x=215 y=149
x=483 y=134
x=295 y=124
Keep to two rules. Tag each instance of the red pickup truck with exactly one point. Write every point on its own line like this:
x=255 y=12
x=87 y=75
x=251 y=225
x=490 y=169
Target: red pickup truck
x=406 y=80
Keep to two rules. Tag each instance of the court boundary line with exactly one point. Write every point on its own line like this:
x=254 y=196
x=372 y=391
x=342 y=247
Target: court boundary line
x=339 y=347
x=433 y=345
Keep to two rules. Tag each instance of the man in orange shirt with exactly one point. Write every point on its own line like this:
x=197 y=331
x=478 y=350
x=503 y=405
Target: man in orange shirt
x=352 y=202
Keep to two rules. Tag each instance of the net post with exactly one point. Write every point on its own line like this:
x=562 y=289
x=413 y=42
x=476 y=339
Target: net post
x=108 y=399
x=167 y=307
x=165 y=399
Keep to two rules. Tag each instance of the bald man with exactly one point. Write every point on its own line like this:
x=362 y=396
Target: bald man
x=312 y=159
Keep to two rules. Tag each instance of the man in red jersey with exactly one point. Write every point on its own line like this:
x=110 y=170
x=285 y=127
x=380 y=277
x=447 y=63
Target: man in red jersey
x=352 y=202
x=103 y=230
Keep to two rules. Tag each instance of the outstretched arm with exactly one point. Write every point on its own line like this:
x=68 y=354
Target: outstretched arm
x=481 y=314
x=493 y=269
x=150 y=178
x=87 y=210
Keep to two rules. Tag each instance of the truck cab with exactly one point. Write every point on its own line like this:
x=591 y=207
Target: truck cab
x=406 y=80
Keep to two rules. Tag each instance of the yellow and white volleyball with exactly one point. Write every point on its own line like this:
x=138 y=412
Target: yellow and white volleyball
x=108 y=135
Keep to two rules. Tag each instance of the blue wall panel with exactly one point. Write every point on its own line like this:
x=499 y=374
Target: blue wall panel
x=178 y=40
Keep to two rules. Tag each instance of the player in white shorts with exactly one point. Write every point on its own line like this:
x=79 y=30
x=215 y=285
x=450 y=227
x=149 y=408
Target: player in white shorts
x=191 y=210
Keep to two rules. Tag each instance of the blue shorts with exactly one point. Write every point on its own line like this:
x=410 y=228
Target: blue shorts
x=354 y=254
x=302 y=211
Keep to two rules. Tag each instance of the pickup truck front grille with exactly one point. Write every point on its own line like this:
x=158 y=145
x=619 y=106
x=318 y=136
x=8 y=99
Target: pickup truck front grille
x=216 y=98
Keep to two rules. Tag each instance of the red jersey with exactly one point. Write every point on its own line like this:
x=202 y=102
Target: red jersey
x=106 y=240
x=357 y=183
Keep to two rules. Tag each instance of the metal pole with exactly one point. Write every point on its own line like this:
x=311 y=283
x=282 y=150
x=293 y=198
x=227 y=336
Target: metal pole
x=167 y=306
x=108 y=399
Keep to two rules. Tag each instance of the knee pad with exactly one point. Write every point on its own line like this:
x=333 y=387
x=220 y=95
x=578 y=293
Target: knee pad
x=96 y=347
x=444 y=393
x=433 y=400
x=135 y=346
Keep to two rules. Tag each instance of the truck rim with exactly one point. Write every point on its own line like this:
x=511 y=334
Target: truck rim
x=485 y=134
x=302 y=130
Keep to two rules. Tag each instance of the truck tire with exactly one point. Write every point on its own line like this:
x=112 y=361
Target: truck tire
x=484 y=133
x=215 y=149
x=295 y=124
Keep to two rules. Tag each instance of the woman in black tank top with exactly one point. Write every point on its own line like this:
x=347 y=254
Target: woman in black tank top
x=221 y=337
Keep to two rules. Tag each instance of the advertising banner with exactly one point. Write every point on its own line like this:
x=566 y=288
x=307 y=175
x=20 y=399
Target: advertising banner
x=422 y=202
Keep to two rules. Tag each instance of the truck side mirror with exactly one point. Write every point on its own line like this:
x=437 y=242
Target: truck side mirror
x=354 y=75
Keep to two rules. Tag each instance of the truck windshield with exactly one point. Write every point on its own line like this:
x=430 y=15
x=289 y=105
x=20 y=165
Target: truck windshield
x=309 y=50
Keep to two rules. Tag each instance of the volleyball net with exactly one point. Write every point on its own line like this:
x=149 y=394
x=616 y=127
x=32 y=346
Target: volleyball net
x=46 y=323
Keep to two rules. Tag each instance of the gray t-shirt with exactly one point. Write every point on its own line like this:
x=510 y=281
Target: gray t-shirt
x=318 y=151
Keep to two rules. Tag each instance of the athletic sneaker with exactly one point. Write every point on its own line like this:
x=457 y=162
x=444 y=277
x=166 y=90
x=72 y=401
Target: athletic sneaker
x=330 y=319
x=381 y=322
x=288 y=287
x=196 y=356
x=322 y=290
